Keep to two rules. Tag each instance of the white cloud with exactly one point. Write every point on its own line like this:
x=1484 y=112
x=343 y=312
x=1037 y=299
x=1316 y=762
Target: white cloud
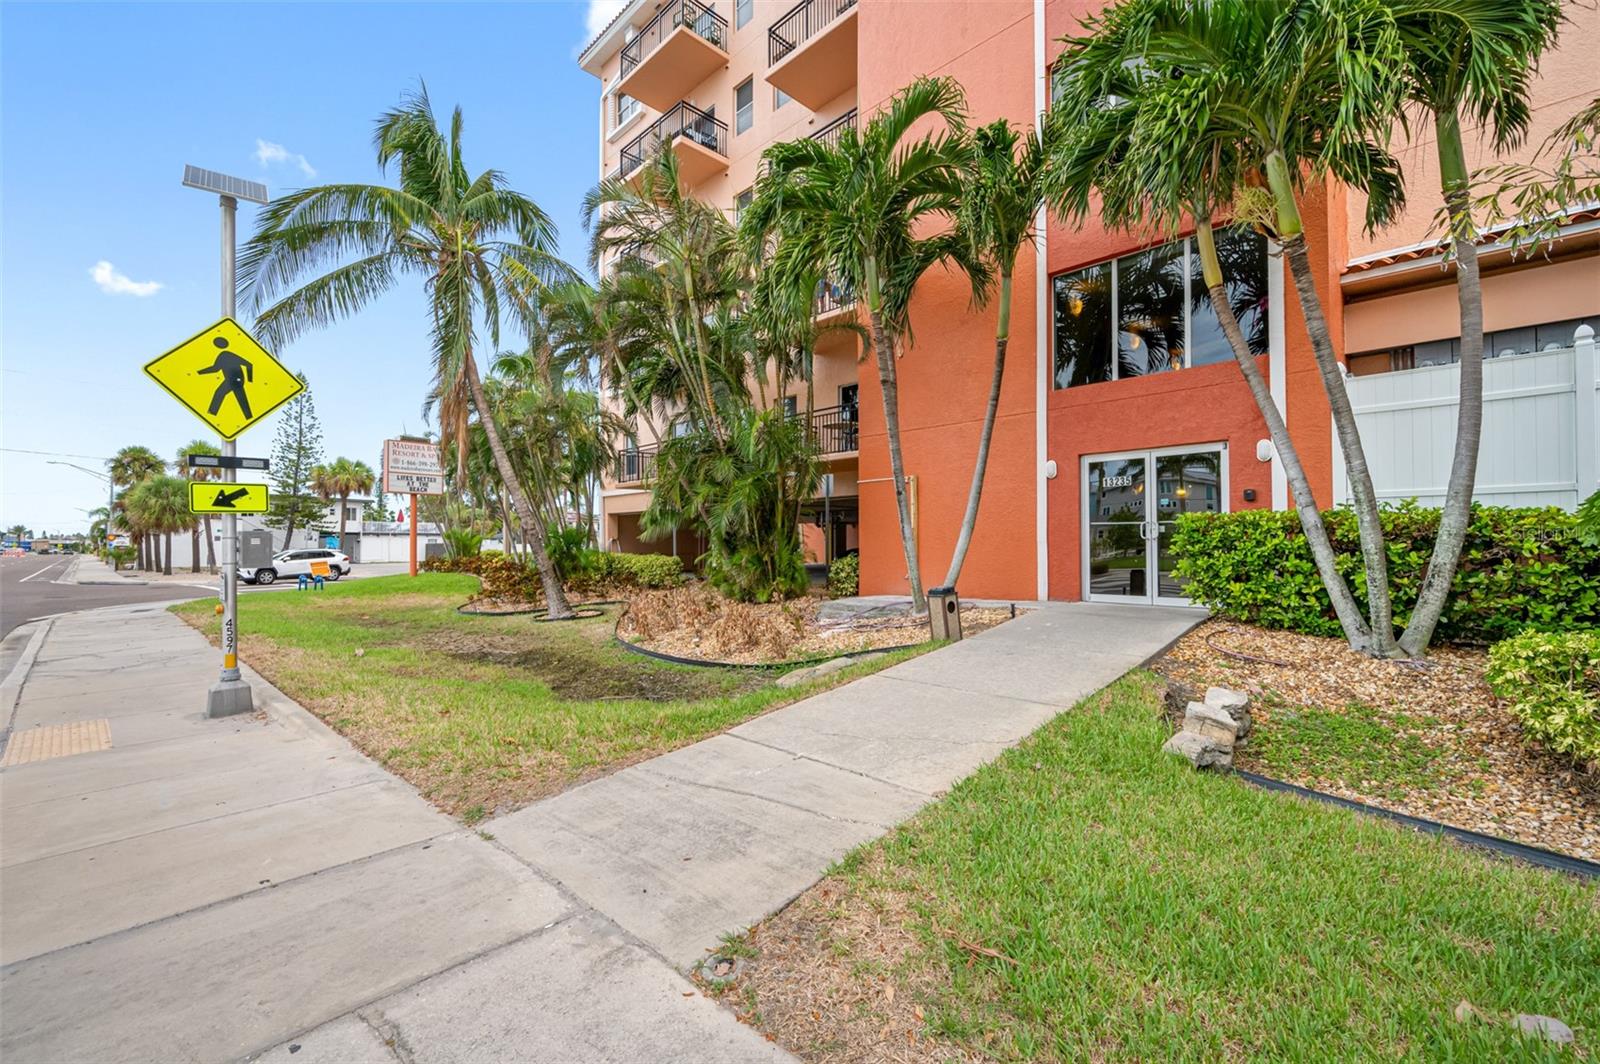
x=119 y=284
x=601 y=12
x=268 y=153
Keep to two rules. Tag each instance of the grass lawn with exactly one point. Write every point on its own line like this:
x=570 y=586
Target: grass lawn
x=1086 y=898
x=484 y=713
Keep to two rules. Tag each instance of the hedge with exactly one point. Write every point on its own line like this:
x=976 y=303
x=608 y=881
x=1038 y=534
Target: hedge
x=1520 y=569
x=504 y=577
x=1552 y=681
x=844 y=576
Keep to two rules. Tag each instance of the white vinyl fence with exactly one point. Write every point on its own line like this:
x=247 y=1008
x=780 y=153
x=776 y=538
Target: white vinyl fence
x=1540 y=446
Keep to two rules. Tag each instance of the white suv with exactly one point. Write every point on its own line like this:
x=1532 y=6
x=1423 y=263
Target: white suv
x=295 y=563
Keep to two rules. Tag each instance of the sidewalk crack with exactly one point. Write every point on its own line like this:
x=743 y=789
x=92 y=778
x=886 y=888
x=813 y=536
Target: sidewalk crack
x=645 y=770
x=829 y=764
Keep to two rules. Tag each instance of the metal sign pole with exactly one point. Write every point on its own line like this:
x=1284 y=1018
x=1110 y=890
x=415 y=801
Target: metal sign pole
x=230 y=694
x=412 y=516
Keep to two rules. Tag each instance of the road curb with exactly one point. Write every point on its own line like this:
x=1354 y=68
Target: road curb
x=11 y=686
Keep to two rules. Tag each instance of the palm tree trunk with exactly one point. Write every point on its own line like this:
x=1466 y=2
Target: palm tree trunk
x=166 y=566
x=1374 y=556
x=194 y=548
x=1345 y=606
x=1456 y=513
x=556 y=605
x=891 y=420
x=342 y=500
x=969 y=520
x=211 y=547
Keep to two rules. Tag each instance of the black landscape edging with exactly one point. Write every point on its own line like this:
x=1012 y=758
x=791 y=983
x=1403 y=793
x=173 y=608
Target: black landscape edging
x=1534 y=855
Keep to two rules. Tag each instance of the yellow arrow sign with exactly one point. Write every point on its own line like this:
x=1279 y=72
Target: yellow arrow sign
x=225 y=377
x=217 y=497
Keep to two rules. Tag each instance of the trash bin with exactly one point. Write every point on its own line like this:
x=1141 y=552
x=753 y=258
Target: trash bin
x=944 y=613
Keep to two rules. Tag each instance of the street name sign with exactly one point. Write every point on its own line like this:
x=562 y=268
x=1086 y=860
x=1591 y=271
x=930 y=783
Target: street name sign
x=214 y=497
x=225 y=461
x=225 y=378
x=411 y=467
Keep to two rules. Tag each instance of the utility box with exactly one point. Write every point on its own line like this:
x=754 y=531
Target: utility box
x=944 y=613
x=255 y=549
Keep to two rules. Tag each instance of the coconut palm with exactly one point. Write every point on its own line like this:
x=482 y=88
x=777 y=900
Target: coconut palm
x=199 y=473
x=340 y=479
x=129 y=467
x=478 y=247
x=851 y=210
x=1175 y=109
x=1002 y=194
x=1477 y=57
x=161 y=507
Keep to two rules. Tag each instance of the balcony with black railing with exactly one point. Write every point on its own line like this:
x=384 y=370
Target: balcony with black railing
x=676 y=50
x=829 y=134
x=832 y=297
x=699 y=139
x=833 y=429
x=811 y=51
x=635 y=465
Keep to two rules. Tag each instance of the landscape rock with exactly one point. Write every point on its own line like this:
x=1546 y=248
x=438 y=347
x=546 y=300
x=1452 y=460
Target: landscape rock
x=1178 y=697
x=1235 y=703
x=1204 y=719
x=1547 y=1027
x=1199 y=750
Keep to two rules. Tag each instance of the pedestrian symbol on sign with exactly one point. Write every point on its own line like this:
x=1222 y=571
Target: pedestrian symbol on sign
x=235 y=371
x=225 y=377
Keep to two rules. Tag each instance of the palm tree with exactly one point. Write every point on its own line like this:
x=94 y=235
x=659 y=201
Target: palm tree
x=199 y=473
x=128 y=468
x=160 y=505
x=850 y=211
x=1175 y=109
x=341 y=479
x=1478 y=56
x=478 y=247
x=1002 y=194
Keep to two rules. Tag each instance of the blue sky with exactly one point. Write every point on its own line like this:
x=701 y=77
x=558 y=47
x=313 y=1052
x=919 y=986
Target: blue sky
x=108 y=261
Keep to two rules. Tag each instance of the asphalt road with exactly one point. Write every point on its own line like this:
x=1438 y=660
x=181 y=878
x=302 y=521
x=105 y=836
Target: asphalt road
x=28 y=591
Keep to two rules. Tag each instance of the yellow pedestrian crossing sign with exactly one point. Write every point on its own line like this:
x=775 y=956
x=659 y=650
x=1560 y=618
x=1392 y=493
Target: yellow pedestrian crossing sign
x=225 y=377
x=222 y=497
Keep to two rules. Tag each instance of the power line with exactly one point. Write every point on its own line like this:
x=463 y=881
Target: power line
x=57 y=454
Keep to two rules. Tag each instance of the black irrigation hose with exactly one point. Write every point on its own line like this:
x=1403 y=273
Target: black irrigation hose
x=1534 y=855
x=577 y=614
x=703 y=663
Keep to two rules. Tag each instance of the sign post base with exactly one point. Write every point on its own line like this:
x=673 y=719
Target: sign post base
x=229 y=697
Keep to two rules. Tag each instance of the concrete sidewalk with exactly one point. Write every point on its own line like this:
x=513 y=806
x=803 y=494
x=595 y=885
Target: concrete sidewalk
x=181 y=889
x=213 y=890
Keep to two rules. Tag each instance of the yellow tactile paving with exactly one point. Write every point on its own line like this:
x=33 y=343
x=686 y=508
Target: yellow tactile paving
x=57 y=740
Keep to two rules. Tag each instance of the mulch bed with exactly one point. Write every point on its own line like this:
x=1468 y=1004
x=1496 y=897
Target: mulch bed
x=698 y=624
x=1483 y=775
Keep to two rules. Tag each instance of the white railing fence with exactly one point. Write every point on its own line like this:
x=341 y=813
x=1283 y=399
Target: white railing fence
x=1540 y=444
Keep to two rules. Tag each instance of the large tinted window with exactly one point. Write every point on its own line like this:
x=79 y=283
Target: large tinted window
x=1243 y=255
x=1083 y=326
x=1150 y=311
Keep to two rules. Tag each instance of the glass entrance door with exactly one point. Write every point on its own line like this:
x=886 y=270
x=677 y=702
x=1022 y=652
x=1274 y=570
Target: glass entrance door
x=1117 y=528
x=1132 y=503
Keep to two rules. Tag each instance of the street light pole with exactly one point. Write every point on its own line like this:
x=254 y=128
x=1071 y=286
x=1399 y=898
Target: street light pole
x=111 y=488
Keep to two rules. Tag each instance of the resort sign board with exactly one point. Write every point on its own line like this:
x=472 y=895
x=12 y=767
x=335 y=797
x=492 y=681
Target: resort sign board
x=411 y=467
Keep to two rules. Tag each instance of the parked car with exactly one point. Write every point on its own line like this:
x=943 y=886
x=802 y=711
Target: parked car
x=294 y=563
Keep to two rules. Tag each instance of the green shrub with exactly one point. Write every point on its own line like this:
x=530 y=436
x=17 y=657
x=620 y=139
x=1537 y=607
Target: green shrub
x=121 y=556
x=1520 y=569
x=1552 y=681
x=844 y=576
x=462 y=542
x=635 y=570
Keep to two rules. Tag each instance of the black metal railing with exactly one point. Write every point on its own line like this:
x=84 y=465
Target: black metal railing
x=829 y=134
x=832 y=428
x=832 y=297
x=681 y=120
x=800 y=25
x=700 y=20
x=635 y=465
